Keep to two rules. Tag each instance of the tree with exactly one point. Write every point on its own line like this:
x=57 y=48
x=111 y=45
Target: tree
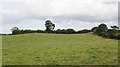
x=94 y=29
x=14 y=28
x=101 y=29
x=114 y=27
x=49 y=26
x=110 y=31
x=69 y=31
x=85 y=31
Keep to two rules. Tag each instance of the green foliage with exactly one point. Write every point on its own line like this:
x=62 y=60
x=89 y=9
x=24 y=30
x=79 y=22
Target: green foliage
x=58 y=49
x=63 y=31
x=94 y=29
x=70 y=30
x=103 y=31
x=115 y=27
x=103 y=27
x=27 y=31
x=14 y=28
x=84 y=31
x=49 y=26
x=59 y=31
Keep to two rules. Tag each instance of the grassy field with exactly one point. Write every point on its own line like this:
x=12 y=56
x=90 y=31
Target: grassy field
x=59 y=49
x=0 y=50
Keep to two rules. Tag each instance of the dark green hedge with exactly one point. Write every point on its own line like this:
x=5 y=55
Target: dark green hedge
x=59 y=31
x=113 y=34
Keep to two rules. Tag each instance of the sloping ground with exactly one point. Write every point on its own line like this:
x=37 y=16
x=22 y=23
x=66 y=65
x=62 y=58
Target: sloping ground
x=0 y=50
x=59 y=49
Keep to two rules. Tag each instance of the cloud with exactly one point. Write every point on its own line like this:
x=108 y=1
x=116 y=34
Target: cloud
x=64 y=13
x=79 y=25
x=88 y=11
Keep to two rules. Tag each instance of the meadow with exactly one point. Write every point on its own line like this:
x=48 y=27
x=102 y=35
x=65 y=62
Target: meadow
x=58 y=49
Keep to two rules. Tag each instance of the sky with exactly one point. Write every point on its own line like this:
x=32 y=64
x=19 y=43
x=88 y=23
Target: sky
x=76 y=14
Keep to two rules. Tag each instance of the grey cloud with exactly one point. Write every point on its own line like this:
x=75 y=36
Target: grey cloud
x=83 y=18
x=62 y=11
x=73 y=14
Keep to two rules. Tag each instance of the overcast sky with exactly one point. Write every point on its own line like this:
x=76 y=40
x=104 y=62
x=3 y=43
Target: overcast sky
x=76 y=14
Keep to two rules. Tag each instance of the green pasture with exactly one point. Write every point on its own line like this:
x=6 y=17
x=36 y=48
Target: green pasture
x=58 y=49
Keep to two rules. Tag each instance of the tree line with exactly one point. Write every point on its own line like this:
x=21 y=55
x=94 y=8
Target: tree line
x=101 y=30
x=58 y=31
x=49 y=29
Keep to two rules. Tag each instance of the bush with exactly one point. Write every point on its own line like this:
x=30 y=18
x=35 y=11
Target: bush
x=84 y=31
x=103 y=31
x=63 y=31
x=60 y=31
x=27 y=31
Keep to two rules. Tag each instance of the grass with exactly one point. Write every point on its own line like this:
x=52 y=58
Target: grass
x=59 y=49
x=0 y=50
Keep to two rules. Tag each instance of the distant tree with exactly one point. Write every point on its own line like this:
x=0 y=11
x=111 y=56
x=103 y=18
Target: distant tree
x=85 y=31
x=49 y=26
x=63 y=31
x=14 y=28
x=94 y=29
x=110 y=31
x=70 y=31
x=58 y=31
x=115 y=27
x=101 y=29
